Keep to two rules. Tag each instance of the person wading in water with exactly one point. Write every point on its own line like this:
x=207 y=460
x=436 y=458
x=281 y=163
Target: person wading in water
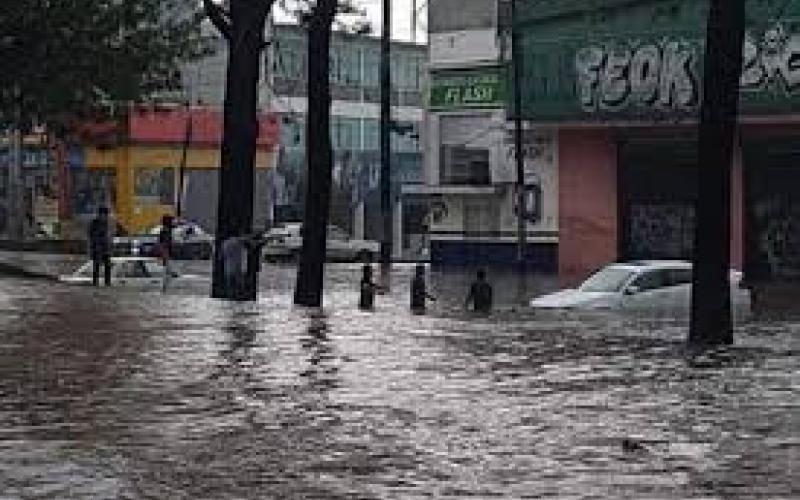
x=480 y=295
x=100 y=246
x=165 y=249
x=366 y=301
x=419 y=291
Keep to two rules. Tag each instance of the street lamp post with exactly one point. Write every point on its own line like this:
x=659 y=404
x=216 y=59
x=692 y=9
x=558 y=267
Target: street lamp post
x=386 y=122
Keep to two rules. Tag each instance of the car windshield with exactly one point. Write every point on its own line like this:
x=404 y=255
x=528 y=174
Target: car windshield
x=609 y=279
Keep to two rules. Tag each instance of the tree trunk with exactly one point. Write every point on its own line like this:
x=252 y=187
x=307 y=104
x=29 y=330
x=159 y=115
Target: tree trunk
x=711 y=301
x=310 y=272
x=240 y=132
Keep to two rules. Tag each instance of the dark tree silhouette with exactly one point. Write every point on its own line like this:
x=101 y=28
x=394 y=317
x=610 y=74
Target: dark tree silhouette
x=308 y=291
x=318 y=17
x=243 y=27
x=711 y=302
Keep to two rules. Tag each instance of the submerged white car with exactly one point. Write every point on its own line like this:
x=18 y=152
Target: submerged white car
x=145 y=272
x=655 y=285
x=285 y=243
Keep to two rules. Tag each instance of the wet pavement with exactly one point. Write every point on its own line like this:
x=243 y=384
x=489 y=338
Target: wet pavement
x=123 y=394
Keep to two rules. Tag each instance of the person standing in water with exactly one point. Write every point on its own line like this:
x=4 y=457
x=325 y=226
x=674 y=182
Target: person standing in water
x=480 y=295
x=165 y=248
x=100 y=246
x=366 y=301
x=419 y=291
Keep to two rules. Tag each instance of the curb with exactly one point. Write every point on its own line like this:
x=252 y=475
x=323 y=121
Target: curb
x=7 y=269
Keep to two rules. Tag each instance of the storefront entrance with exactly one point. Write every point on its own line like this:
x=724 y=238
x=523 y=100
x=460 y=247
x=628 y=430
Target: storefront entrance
x=658 y=187
x=772 y=229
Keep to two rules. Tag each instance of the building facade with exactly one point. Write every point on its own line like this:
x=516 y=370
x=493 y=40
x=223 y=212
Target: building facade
x=620 y=83
x=355 y=131
x=355 y=126
x=133 y=166
x=470 y=178
x=38 y=200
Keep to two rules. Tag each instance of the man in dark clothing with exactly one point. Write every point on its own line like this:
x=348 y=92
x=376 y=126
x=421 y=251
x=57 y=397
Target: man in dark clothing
x=366 y=301
x=100 y=246
x=480 y=295
x=419 y=291
x=165 y=249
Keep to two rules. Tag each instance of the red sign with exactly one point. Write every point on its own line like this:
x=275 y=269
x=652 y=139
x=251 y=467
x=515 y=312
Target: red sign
x=169 y=124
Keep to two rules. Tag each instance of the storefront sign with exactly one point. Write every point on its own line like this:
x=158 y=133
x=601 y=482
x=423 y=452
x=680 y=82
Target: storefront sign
x=657 y=73
x=480 y=88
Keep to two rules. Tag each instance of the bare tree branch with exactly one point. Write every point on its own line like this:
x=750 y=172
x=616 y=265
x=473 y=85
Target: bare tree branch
x=219 y=18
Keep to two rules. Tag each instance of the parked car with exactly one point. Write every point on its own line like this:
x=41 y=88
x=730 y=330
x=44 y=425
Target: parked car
x=657 y=285
x=190 y=241
x=285 y=242
x=135 y=272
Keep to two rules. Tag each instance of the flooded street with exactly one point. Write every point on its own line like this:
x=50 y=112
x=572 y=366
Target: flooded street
x=122 y=394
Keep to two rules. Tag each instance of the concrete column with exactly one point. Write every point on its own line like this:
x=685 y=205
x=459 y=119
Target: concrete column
x=397 y=247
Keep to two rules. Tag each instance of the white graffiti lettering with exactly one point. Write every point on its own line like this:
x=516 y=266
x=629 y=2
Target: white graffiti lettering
x=776 y=61
x=678 y=85
x=645 y=76
x=588 y=63
x=666 y=75
x=645 y=67
x=615 y=86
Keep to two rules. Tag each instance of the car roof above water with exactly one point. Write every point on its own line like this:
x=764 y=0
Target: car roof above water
x=641 y=265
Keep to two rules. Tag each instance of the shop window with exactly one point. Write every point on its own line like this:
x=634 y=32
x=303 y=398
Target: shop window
x=372 y=136
x=154 y=186
x=372 y=64
x=92 y=188
x=465 y=166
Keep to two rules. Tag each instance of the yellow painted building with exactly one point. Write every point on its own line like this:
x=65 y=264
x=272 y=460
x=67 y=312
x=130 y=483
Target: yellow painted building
x=140 y=173
x=131 y=165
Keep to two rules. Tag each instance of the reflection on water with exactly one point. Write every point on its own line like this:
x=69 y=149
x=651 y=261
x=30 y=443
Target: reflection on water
x=115 y=394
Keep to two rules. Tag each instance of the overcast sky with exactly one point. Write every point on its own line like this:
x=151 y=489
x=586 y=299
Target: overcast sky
x=401 y=18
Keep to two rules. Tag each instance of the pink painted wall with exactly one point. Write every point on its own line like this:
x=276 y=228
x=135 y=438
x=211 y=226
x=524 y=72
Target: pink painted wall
x=588 y=218
x=587 y=203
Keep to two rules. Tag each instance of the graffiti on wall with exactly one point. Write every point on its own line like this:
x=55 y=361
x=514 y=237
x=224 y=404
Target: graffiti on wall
x=666 y=74
x=659 y=75
x=660 y=231
x=778 y=223
x=774 y=59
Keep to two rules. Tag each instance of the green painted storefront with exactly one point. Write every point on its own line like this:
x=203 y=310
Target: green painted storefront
x=643 y=60
x=622 y=81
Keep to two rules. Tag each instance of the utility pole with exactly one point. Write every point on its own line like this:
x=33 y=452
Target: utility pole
x=386 y=124
x=15 y=186
x=414 y=15
x=187 y=140
x=516 y=62
x=14 y=210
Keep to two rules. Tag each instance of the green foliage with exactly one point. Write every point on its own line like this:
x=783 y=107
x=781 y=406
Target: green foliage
x=61 y=59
